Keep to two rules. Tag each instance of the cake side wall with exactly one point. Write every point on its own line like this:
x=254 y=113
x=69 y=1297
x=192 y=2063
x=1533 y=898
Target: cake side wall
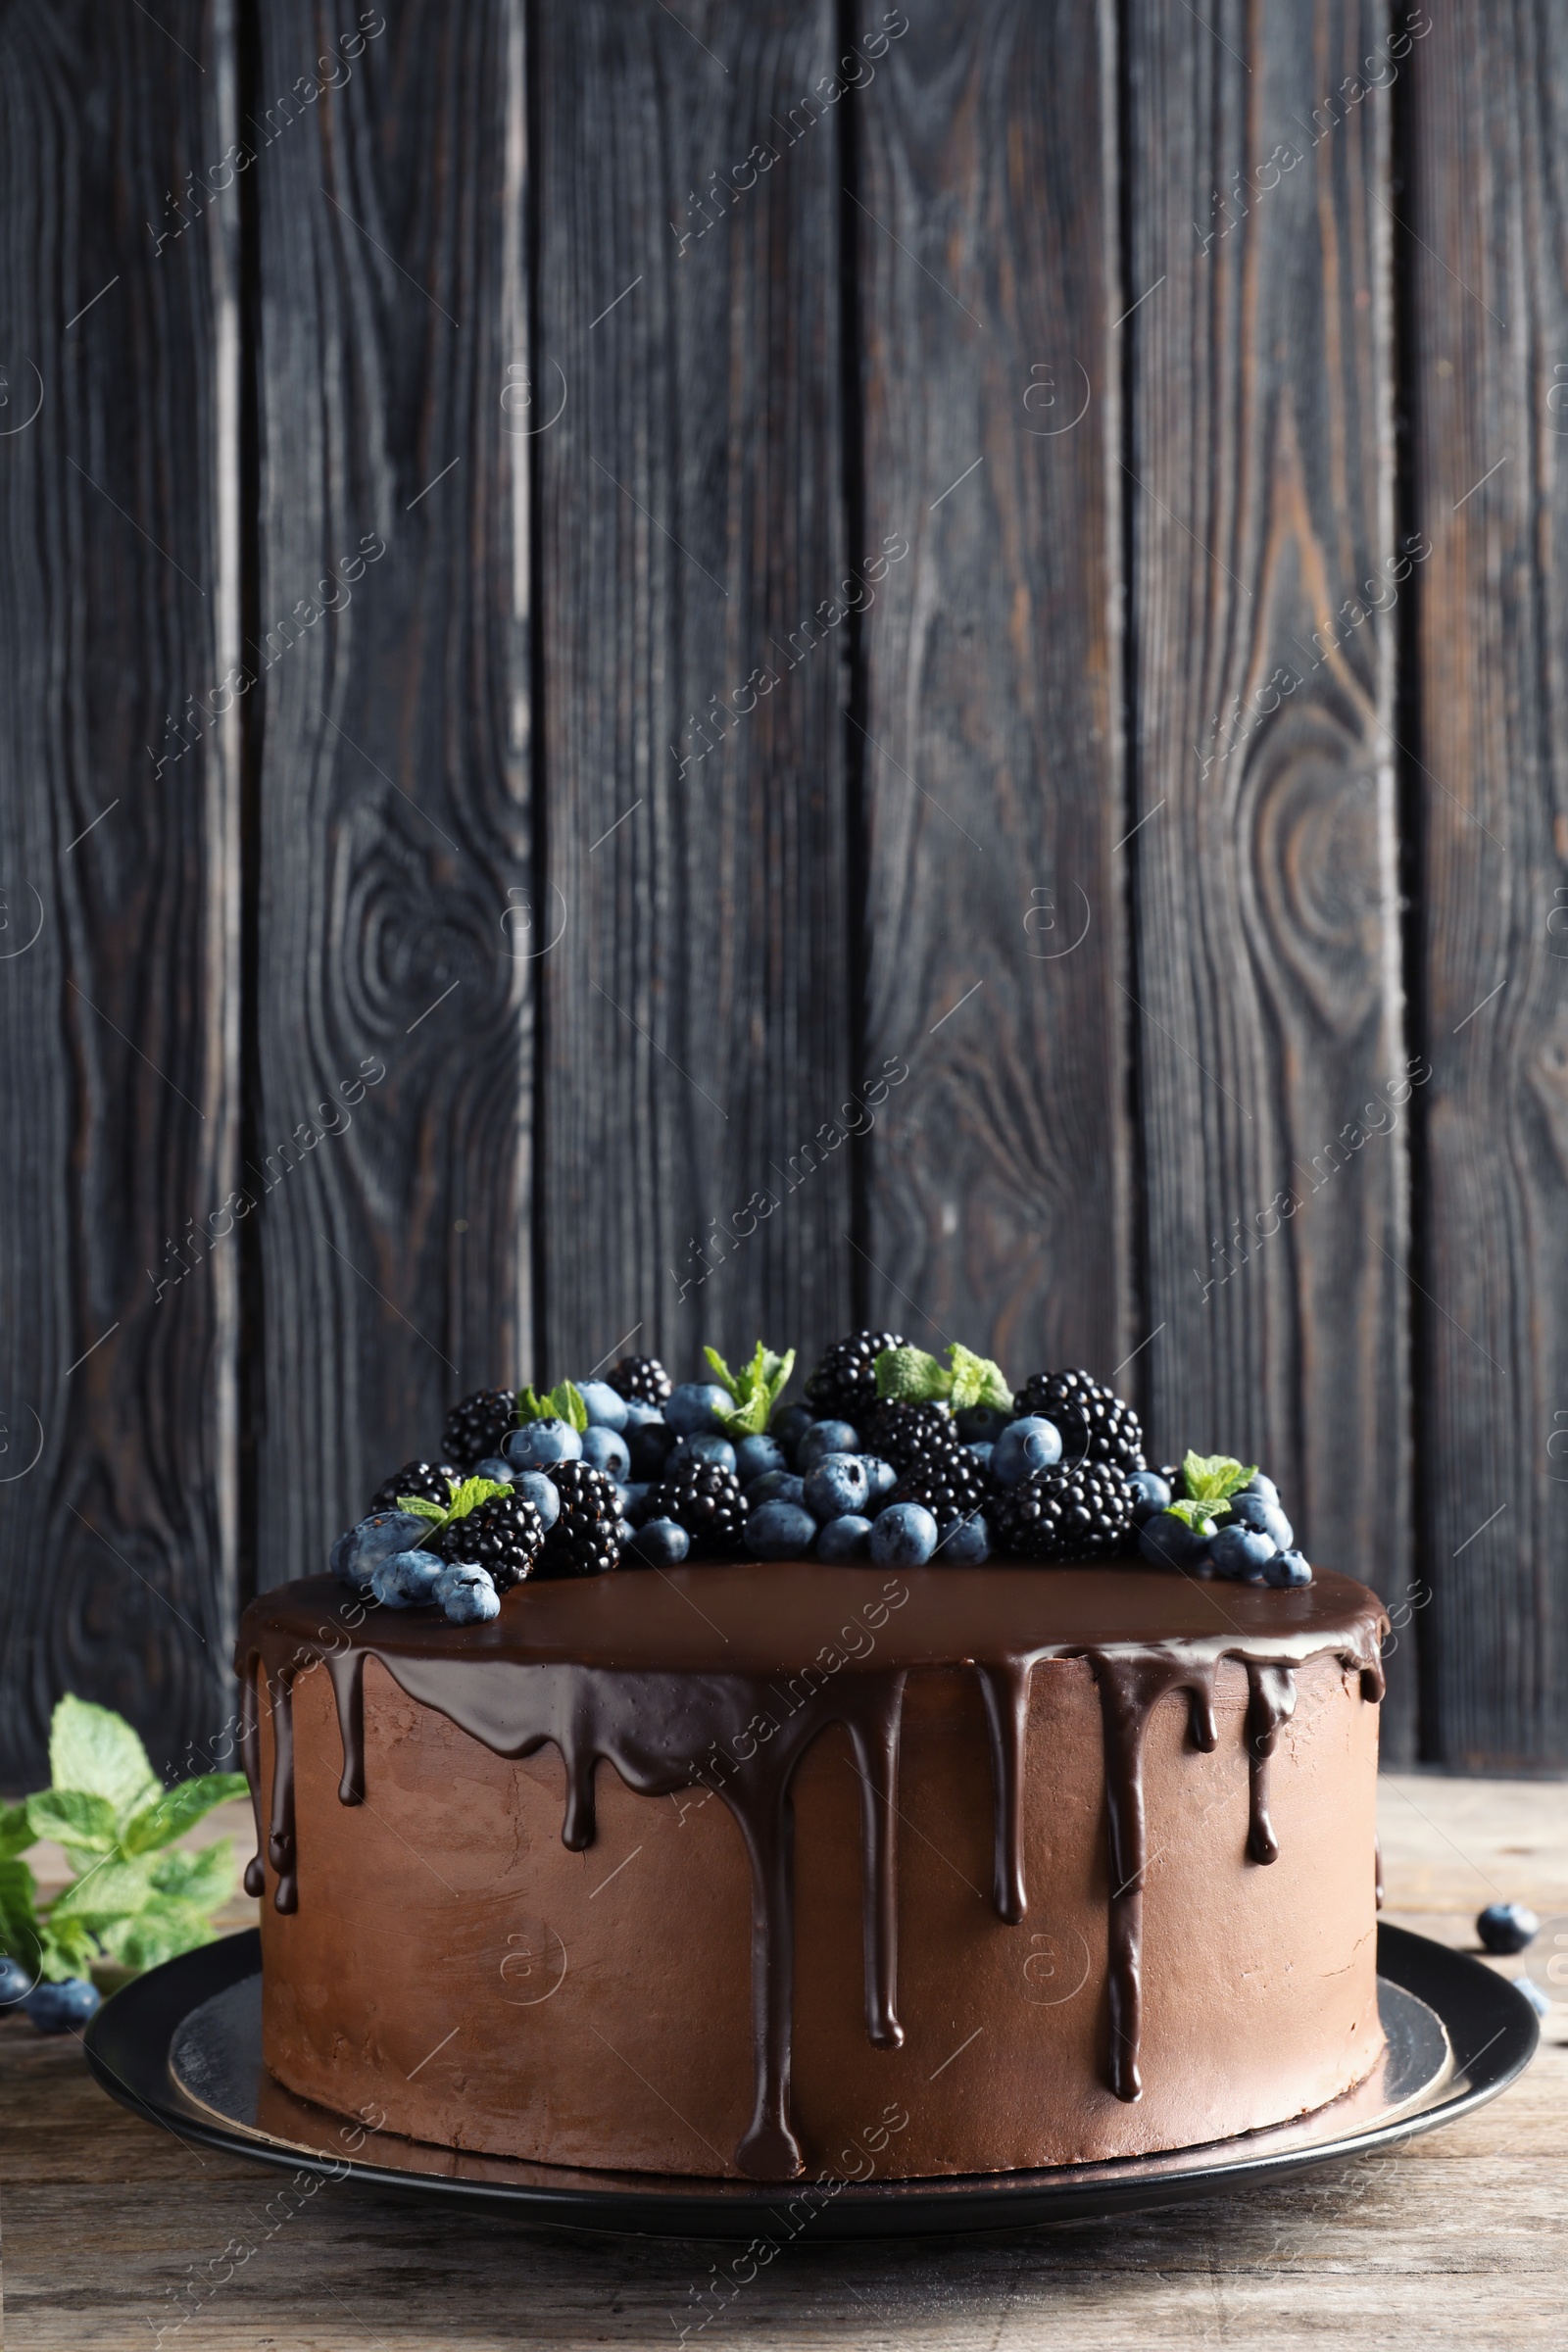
x=453 y=1964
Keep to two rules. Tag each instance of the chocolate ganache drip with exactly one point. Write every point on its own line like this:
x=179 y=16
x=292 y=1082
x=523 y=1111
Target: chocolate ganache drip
x=723 y=1677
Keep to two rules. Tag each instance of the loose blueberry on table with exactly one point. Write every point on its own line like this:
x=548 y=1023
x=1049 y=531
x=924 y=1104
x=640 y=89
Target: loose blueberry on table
x=894 y=1458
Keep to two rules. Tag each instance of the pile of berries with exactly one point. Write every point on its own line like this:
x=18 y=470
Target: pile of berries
x=648 y=1473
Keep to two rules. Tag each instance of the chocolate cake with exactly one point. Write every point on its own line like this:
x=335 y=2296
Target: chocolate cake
x=736 y=1867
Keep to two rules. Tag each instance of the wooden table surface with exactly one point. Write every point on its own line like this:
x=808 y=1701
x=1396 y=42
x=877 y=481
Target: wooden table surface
x=1458 y=2236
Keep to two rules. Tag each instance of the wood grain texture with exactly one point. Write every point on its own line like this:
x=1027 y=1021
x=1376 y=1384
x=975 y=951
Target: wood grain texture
x=699 y=1022
x=1488 y=362
x=118 y=864
x=393 y=844
x=1269 y=1013
x=1000 y=1195
x=1457 y=2236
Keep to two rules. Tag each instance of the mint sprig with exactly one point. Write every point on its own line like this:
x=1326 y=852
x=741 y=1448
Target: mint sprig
x=1213 y=1477
x=467 y=1495
x=755 y=1389
x=564 y=1403
x=911 y=1377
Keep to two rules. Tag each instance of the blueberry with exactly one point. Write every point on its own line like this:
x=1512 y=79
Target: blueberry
x=824 y=1436
x=1151 y=1494
x=755 y=1455
x=696 y=1406
x=496 y=1466
x=789 y=1425
x=1257 y=1484
x=538 y=1444
x=1507 y=1927
x=1241 y=1553
x=1167 y=1541
x=837 y=1486
x=15 y=1983
x=963 y=1543
x=639 y=1415
x=661 y=1543
x=624 y=1532
x=649 y=1443
x=904 y=1536
x=1288 y=1570
x=982 y=1452
x=1023 y=1447
x=1539 y=1998
x=779 y=1530
x=882 y=1475
x=842 y=1539
x=535 y=1488
x=705 y=1447
x=1256 y=1511
x=360 y=1550
x=59 y=2008
x=631 y=1496
x=982 y=1424
x=606 y=1449
x=776 y=1486
x=605 y=1409
x=467 y=1594
x=408 y=1580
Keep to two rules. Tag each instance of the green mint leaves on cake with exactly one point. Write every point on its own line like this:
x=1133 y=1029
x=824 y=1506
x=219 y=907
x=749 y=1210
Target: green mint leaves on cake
x=136 y=1897
x=755 y=1389
x=896 y=1456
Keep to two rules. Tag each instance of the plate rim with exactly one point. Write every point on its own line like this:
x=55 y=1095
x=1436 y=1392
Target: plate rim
x=138 y=2024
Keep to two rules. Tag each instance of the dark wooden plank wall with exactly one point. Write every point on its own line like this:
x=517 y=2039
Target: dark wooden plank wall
x=118 y=997
x=654 y=327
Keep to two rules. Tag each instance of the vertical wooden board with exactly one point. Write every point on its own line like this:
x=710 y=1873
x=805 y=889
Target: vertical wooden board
x=987 y=228
x=393 y=1021
x=1482 y=227
x=700 y=1022
x=1271 y=1056
x=118 y=852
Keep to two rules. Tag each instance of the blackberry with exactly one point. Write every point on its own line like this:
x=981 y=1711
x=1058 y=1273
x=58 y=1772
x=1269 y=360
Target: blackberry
x=1095 y=1424
x=585 y=1539
x=504 y=1536
x=1079 y=1511
x=479 y=1426
x=843 y=1387
x=642 y=1377
x=906 y=1435
x=705 y=1500
x=950 y=1486
x=432 y=1481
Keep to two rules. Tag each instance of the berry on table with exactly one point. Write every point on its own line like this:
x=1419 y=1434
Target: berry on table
x=660 y=1544
x=479 y=1426
x=882 y=1476
x=1241 y=1553
x=1077 y=1512
x=63 y=2007
x=756 y=1456
x=1166 y=1542
x=1507 y=1926
x=1258 y=1511
x=642 y=1377
x=1024 y=1447
x=950 y=1486
x=904 y=1536
x=16 y=1981
x=842 y=1540
x=1151 y=1494
x=706 y=1501
x=779 y=1530
x=360 y=1550
x=606 y=1449
x=465 y=1594
x=1287 y=1571
x=408 y=1580
x=504 y=1536
x=963 y=1543
x=585 y=1539
x=775 y=1485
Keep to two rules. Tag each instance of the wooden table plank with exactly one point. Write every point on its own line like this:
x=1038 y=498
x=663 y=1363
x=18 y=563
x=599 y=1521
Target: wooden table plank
x=118 y=864
x=1271 y=1062
x=999 y=1174
x=700 y=1020
x=1488 y=390
x=1456 y=2237
x=390 y=1071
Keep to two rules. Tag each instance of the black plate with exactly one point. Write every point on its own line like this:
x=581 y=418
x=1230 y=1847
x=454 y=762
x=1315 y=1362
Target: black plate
x=182 y=2046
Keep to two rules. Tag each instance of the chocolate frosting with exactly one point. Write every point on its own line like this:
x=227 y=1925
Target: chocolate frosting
x=722 y=1676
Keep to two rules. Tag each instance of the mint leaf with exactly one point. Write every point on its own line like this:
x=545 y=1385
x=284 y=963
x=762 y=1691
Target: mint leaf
x=755 y=1387
x=96 y=1750
x=570 y=1407
x=976 y=1380
x=165 y=1928
x=179 y=1809
x=111 y=1890
x=1212 y=1478
x=205 y=1878
x=532 y=1408
x=74 y=1819
x=21 y=1935
x=910 y=1375
x=1196 y=1515
x=16 y=1834
x=419 y=1507
x=722 y=1373
x=471 y=1492
x=67 y=1950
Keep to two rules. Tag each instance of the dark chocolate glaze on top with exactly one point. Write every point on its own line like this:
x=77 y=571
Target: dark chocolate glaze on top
x=724 y=1676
